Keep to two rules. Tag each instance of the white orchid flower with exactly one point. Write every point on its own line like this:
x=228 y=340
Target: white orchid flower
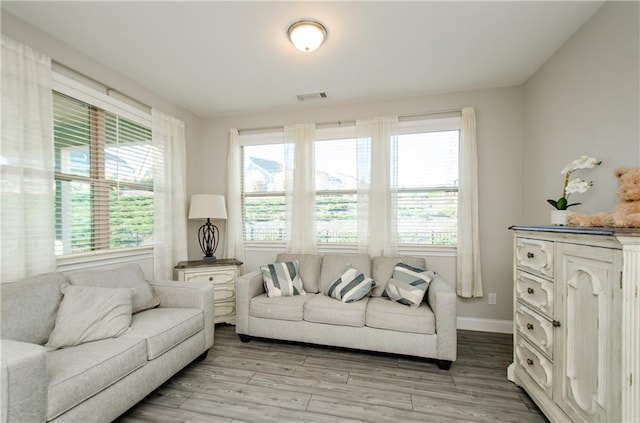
x=577 y=185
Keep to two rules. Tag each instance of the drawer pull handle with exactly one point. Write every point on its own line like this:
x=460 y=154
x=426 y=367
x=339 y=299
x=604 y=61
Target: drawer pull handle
x=530 y=291
x=529 y=362
x=530 y=255
x=210 y=278
x=556 y=324
x=529 y=326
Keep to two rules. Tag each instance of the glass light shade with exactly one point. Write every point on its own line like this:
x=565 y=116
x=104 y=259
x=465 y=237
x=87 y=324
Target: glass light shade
x=306 y=35
x=207 y=206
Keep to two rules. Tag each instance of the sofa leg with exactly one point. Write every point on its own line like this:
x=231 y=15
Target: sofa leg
x=202 y=356
x=444 y=364
x=244 y=338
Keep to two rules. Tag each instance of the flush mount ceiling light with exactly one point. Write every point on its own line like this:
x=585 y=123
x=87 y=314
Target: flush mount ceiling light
x=307 y=35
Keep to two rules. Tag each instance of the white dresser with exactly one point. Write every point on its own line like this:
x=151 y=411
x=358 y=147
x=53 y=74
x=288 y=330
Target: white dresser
x=577 y=321
x=223 y=275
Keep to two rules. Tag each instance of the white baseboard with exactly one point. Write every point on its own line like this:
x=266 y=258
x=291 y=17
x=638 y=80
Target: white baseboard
x=485 y=325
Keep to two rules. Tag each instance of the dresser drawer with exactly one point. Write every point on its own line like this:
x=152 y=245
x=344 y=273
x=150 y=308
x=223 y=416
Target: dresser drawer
x=224 y=293
x=535 y=292
x=535 y=255
x=219 y=277
x=224 y=312
x=534 y=364
x=535 y=328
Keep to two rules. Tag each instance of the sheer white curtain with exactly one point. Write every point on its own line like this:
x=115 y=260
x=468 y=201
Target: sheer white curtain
x=469 y=274
x=169 y=186
x=234 y=241
x=300 y=189
x=26 y=163
x=377 y=185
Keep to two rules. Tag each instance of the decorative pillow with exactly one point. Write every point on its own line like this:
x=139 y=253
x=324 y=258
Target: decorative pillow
x=128 y=276
x=408 y=284
x=88 y=313
x=350 y=286
x=282 y=279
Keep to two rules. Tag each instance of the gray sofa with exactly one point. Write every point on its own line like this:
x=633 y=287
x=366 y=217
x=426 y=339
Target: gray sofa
x=99 y=380
x=373 y=323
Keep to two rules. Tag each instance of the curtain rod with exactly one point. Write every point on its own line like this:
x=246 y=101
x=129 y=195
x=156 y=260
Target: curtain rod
x=340 y=123
x=107 y=88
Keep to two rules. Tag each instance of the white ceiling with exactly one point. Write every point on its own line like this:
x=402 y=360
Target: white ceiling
x=221 y=58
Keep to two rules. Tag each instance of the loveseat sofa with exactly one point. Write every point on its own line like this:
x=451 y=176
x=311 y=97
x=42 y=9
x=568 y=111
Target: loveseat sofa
x=372 y=323
x=97 y=380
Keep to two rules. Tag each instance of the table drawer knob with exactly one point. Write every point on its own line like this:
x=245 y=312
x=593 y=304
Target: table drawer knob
x=210 y=278
x=556 y=324
x=529 y=362
x=530 y=255
x=529 y=326
x=530 y=291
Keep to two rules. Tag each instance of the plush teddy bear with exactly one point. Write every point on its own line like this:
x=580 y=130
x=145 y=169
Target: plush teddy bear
x=624 y=215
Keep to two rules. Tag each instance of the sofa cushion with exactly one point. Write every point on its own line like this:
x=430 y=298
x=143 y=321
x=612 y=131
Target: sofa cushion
x=282 y=279
x=29 y=307
x=79 y=372
x=90 y=313
x=382 y=269
x=164 y=328
x=349 y=286
x=309 y=268
x=279 y=308
x=383 y=313
x=323 y=309
x=127 y=276
x=332 y=265
x=408 y=285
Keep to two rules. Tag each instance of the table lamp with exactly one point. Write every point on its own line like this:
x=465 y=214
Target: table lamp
x=208 y=206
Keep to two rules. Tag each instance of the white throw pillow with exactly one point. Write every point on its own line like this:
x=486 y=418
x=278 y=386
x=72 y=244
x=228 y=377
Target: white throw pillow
x=127 y=276
x=351 y=285
x=89 y=313
x=282 y=279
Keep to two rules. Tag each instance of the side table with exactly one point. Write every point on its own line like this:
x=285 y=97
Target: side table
x=223 y=274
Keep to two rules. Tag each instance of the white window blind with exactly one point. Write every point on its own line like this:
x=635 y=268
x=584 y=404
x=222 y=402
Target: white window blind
x=263 y=192
x=428 y=187
x=103 y=177
x=336 y=182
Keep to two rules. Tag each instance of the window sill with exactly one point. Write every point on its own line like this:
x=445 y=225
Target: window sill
x=101 y=258
x=405 y=250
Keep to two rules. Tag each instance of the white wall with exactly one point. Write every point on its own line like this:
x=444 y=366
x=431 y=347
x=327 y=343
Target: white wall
x=584 y=100
x=18 y=29
x=499 y=126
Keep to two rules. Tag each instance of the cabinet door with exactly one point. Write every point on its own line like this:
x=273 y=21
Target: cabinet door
x=587 y=279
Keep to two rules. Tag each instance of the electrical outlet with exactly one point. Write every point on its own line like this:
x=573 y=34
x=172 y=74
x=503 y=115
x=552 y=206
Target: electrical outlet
x=492 y=298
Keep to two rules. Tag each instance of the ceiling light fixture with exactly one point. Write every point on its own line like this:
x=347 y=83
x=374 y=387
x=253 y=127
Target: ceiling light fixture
x=307 y=35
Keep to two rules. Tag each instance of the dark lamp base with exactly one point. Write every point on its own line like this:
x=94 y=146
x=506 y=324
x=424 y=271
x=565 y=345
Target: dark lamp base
x=212 y=258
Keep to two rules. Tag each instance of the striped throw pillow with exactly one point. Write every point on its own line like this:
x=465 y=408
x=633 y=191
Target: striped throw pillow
x=350 y=286
x=282 y=279
x=408 y=284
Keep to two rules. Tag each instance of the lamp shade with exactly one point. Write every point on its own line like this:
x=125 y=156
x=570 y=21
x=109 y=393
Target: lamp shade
x=307 y=35
x=207 y=206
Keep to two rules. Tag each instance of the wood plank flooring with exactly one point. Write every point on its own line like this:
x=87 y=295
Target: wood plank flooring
x=272 y=381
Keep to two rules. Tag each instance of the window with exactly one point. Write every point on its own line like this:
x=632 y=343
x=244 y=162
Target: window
x=427 y=201
x=103 y=178
x=336 y=183
x=424 y=157
x=263 y=192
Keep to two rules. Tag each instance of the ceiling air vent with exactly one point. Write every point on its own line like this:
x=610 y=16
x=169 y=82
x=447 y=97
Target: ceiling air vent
x=311 y=96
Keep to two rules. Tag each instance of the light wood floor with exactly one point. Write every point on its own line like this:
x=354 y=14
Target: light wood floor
x=271 y=381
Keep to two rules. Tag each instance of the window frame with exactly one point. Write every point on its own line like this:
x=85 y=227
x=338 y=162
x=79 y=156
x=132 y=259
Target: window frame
x=100 y=104
x=406 y=125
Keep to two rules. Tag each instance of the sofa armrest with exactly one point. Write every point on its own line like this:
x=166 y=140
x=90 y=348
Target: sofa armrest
x=189 y=295
x=24 y=382
x=442 y=300
x=249 y=285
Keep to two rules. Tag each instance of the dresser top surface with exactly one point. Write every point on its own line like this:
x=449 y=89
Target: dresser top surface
x=578 y=230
